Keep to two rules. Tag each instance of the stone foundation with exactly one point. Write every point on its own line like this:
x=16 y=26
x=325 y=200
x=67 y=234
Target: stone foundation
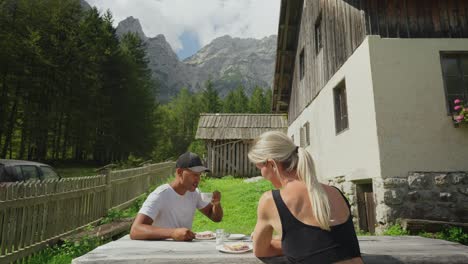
x=441 y=196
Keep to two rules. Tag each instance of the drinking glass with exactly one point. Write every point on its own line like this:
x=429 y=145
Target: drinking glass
x=219 y=236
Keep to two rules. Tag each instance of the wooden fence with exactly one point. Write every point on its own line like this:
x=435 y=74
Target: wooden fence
x=34 y=214
x=229 y=157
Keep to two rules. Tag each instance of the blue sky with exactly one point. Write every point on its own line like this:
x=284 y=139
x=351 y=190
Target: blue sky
x=190 y=44
x=191 y=24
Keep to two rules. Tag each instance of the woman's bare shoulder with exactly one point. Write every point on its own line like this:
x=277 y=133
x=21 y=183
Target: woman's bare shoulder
x=339 y=207
x=266 y=199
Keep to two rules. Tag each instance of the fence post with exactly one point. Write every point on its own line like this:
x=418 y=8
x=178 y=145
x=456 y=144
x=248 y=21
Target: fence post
x=108 y=189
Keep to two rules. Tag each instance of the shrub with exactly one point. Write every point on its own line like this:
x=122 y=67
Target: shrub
x=462 y=111
x=395 y=230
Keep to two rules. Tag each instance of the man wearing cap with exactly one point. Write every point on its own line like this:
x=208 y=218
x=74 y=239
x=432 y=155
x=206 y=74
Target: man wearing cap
x=169 y=210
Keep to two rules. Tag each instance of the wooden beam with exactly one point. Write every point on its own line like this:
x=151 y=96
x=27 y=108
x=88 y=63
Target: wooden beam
x=284 y=48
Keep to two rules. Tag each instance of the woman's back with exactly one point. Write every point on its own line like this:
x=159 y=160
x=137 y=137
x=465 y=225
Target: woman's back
x=302 y=240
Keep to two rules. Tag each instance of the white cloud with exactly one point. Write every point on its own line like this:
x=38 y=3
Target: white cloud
x=208 y=19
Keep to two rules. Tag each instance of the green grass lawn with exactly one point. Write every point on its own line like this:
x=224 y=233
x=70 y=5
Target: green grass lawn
x=239 y=201
x=71 y=171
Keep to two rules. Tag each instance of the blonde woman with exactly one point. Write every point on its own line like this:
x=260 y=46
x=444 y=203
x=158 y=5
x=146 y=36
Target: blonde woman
x=314 y=219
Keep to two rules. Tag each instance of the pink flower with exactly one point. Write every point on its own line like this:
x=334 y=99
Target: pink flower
x=457 y=101
x=460 y=118
x=458 y=107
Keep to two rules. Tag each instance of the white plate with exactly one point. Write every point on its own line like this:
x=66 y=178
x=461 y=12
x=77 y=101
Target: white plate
x=236 y=236
x=225 y=250
x=213 y=236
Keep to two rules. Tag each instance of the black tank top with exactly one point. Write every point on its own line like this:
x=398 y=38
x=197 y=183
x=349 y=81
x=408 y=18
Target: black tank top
x=303 y=243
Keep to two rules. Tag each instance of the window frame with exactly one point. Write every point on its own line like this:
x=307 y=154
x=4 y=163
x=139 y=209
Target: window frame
x=458 y=55
x=318 y=34
x=22 y=168
x=341 y=117
x=304 y=135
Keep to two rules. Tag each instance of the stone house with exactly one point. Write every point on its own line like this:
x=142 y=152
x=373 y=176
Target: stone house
x=368 y=87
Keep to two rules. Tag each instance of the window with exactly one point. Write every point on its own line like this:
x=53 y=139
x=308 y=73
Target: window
x=301 y=137
x=2 y=173
x=301 y=65
x=48 y=173
x=305 y=135
x=455 y=71
x=28 y=172
x=318 y=34
x=341 y=107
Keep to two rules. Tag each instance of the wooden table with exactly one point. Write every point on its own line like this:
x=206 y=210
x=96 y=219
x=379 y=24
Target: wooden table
x=126 y=250
x=375 y=250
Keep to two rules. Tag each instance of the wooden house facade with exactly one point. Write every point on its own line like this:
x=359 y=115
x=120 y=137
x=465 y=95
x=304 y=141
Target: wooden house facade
x=369 y=89
x=329 y=31
x=228 y=138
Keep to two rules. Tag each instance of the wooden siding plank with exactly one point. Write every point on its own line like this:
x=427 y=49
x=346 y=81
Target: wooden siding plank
x=436 y=20
x=462 y=18
x=454 y=15
x=445 y=20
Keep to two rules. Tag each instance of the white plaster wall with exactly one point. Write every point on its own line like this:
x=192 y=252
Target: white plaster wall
x=414 y=131
x=353 y=153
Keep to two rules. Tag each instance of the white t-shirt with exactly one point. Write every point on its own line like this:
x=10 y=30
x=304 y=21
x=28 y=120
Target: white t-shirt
x=169 y=209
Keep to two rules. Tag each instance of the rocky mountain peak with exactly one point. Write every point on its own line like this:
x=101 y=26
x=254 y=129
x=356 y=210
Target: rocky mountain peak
x=131 y=24
x=227 y=61
x=85 y=5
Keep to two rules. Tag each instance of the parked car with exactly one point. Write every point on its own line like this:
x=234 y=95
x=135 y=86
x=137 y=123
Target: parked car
x=23 y=170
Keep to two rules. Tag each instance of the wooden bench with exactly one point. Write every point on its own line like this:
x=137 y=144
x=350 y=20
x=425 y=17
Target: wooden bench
x=415 y=226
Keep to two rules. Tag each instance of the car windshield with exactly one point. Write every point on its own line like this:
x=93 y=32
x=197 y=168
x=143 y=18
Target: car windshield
x=48 y=173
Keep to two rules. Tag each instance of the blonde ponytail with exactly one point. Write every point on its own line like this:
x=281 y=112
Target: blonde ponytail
x=317 y=195
x=280 y=148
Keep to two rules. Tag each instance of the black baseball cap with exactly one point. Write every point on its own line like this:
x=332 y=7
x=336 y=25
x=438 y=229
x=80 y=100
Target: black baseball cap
x=191 y=161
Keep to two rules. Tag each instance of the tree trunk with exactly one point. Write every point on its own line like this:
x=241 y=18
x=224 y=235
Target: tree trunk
x=58 y=137
x=23 y=141
x=65 y=138
x=11 y=125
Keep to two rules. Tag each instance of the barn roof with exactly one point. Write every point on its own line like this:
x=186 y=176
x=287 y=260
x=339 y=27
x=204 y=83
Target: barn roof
x=239 y=126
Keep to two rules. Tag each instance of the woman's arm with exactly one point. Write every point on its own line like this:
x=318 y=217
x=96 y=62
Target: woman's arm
x=263 y=243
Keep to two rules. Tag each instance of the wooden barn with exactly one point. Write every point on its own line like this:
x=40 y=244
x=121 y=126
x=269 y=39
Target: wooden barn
x=228 y=138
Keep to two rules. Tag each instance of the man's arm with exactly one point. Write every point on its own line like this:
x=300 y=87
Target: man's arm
x=263 y=243
x=142 y=229
x=214 y=211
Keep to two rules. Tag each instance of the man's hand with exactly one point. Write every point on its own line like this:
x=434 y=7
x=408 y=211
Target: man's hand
x=216 y=199
x=182 y=234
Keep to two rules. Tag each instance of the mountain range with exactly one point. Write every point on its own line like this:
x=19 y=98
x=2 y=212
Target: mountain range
x=229 y=62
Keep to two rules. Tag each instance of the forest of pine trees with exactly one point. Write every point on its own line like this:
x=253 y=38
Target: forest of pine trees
x=70 y=89
x=178 y=120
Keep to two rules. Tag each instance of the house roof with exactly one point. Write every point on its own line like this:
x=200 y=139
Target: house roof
x=288 y=33
x=239 y=126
